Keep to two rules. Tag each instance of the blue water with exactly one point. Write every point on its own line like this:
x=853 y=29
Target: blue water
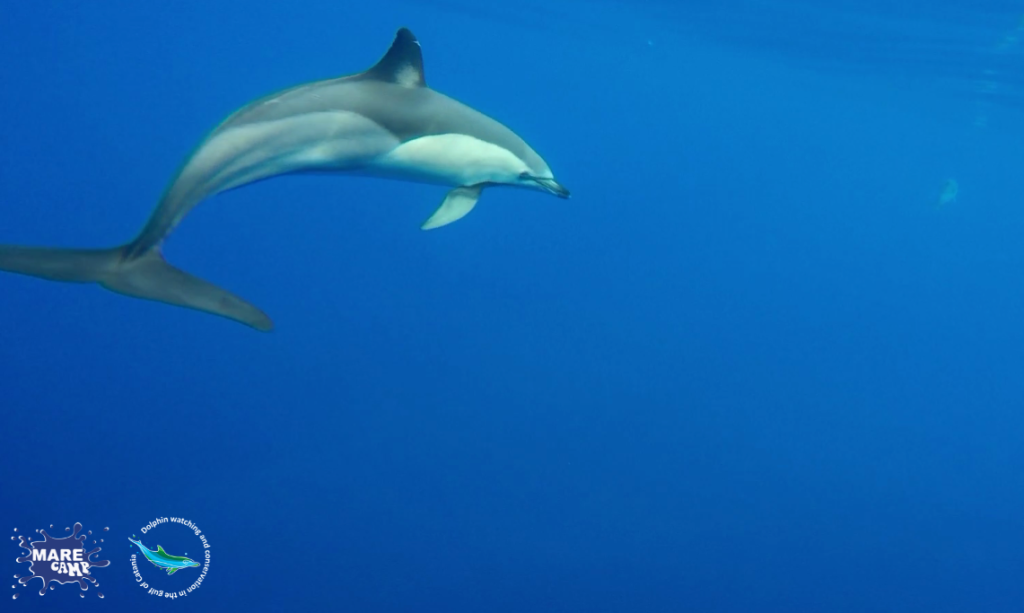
x=750 y=366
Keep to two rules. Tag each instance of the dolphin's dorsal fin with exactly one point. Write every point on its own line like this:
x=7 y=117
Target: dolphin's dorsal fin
x=160 y=549
x=402 y=64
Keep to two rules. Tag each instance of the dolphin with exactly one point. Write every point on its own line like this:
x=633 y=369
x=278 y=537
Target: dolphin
x=383 y=122
x=164 y=560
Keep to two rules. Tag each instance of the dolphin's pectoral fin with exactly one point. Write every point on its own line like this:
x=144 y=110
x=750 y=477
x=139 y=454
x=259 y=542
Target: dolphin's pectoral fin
x=171 y=571
x=456 y=205
x=402 y=64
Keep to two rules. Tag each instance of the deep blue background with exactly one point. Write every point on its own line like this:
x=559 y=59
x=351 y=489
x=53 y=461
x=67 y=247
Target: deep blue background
x=750 y=366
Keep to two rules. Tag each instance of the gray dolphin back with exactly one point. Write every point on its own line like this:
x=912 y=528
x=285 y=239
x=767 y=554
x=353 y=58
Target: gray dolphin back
x=394 y=95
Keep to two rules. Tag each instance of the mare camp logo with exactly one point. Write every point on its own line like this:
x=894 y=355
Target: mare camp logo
x=184 y=573
x=60 y=560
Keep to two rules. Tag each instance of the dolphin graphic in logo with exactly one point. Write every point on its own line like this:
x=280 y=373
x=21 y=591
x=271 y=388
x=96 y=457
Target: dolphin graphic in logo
x=164 y=560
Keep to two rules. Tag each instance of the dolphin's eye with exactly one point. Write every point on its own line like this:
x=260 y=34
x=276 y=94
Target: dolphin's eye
x=525 y=175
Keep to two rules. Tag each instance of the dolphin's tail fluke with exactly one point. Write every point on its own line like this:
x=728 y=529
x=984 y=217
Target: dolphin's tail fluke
x=146 y=276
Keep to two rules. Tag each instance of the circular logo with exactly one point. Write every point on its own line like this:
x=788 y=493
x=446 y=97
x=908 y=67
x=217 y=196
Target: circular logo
x=170 y=557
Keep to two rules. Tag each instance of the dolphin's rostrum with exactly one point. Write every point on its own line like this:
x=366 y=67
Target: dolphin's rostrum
x=384 y=122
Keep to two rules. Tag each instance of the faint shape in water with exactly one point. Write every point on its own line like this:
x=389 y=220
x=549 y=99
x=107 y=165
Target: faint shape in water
x=948 y=195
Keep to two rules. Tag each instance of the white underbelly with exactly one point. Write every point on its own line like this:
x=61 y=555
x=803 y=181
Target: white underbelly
x=449 y=159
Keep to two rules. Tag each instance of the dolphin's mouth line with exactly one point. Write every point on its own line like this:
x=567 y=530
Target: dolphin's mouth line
x=551 y=186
